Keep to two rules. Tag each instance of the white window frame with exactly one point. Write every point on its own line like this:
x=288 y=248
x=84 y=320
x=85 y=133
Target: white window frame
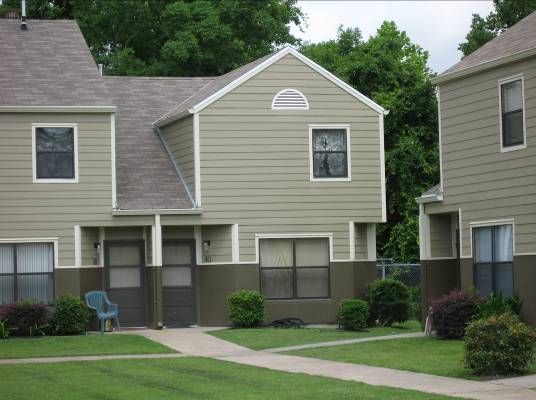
x=34 y=152
x=290 y=108
x=492 y=223
x=500 y=83
x=348 y=153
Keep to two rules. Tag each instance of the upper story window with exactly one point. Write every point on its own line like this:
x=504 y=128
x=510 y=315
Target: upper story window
x=329 y=153
x=55 y=158
x=290 y=99
x=512 y=114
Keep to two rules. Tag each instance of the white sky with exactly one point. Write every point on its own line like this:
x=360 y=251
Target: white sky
x=437 y=26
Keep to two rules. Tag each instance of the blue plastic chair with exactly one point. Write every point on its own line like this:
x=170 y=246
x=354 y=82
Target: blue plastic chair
x=96 y=300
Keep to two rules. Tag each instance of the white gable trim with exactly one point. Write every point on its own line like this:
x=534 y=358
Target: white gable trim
x=277 y=56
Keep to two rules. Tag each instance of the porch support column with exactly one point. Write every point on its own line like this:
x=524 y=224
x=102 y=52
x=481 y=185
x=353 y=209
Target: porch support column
x=235 y=251
x=371 y=242
x=424 y=233
x=154 y=278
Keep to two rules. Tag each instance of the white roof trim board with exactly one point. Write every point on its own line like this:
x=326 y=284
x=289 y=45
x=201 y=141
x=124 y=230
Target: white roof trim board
x=290 y=99
x=254 y=71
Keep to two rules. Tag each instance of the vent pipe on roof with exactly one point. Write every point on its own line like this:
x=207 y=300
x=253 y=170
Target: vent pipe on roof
x=23 y=26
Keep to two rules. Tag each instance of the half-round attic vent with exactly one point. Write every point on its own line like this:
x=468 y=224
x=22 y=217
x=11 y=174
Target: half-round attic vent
x=290 y=99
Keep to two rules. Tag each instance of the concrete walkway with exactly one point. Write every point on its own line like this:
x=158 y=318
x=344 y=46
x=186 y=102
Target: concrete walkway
x=528 y=381
x=42 y=360
x=194 y=342
x=342 y=342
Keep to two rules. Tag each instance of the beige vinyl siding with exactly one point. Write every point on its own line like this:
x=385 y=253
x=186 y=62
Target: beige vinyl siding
x=440 y=235
x=255 y=161
x=220 y=243
x=179 y=137
x=51 y=210
x=485 y=183
x=89 y=236
x=361 y=252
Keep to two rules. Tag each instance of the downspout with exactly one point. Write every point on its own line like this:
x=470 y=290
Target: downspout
x=158 y=133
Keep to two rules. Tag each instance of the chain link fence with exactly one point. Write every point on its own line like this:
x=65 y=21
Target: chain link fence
x=407 y=273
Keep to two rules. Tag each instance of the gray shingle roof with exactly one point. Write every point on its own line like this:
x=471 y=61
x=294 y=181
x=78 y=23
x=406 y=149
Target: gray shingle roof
x=518 y=38
x=214 y=86
x=146 y=178
x=49 y=64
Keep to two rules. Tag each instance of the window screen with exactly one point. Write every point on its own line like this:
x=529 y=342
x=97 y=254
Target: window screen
x=330 y=155
x=26 y=272
x=493 y=257
x=512 y=113
x=54 y=156
x=294 y=268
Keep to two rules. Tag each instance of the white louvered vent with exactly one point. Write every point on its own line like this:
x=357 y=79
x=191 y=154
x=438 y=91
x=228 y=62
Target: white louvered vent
x=290 y=99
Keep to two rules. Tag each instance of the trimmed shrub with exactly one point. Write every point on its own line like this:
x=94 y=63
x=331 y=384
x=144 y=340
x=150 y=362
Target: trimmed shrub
x=4 y=330
x=496 y=305
x=415 y=303
x=246 y=308
x=25 y=318
x=388 y=302
x=71 y=316
x=500 y=344
x=453 y=312
x=353 y=314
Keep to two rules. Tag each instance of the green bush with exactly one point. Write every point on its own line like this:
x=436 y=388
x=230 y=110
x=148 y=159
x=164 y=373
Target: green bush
x=415 y=303
x=353 y=314
x=4 y=330
x=246 y=308
x=388 y=302
x=71 y=316
x=498 y=304
x=25 y=318
x=500 y=344
x=452 y=312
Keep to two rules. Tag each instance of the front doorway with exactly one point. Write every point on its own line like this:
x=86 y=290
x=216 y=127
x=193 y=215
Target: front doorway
x=178 y=283
x=124 y=279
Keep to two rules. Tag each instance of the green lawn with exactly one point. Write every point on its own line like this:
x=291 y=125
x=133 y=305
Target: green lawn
x=57 y=346
x=179 y=378
x=268 y=338
x=427 y=355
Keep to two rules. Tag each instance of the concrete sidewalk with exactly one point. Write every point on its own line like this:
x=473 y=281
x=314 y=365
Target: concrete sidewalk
x=528 y=381
x=194 y=342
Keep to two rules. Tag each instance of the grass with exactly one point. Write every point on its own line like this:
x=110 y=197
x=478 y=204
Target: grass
x=180 y=378
x=57 y=346
x=427 y=355
x=268 y=338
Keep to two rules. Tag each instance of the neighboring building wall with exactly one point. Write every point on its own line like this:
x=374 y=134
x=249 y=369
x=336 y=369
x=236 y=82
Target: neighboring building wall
x=485 y=183
x=255 y=161
x=179 y=137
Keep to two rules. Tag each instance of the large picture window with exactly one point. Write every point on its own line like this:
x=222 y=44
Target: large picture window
x=493 y=257
x=55 y=156
x=295 y=268
x=26 y=272
x=329 y=153
x=512 y=116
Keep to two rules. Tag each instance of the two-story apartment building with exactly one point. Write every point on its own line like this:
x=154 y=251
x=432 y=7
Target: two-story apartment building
x=478 y=226
x=170 y=193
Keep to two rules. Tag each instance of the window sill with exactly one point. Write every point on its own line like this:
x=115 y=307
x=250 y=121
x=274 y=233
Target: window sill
x=55 y=180
x=331 y=179
x=513 y=148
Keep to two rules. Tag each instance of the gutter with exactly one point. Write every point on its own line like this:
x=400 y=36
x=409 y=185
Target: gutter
x=61 y=109
x=429 y=198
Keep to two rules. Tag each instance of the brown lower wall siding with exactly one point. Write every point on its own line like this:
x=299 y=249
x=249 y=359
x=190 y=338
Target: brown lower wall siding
x=77 y=281
x=438 y=275
x=216 y=282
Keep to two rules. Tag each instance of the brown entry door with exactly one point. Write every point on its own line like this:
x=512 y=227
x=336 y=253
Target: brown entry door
x=124 y=264
x=178 y=282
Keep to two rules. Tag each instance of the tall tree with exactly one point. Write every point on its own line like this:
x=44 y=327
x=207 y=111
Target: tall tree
x=506 y=14
x=175 y=37
x=393 y=71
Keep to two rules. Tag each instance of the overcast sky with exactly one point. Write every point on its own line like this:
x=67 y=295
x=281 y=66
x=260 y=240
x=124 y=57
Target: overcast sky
x=437 y=26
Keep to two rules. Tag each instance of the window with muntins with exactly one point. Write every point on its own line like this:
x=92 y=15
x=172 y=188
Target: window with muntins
x=26 y=272
x=329 y=153
x=493 y=256
x=295 y=268
x=55 y=153
x=512 y=121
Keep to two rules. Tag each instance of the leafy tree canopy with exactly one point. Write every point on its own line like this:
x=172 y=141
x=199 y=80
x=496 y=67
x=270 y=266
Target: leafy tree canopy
x=175 y=38
x=506 y=14
x=393 y=71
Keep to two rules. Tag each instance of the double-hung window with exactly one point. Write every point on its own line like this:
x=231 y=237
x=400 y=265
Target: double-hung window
x=329 y=151
x=295 y=268
x=55 y=154
x=493 y=258
x=26 y=272
x=512 y=114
